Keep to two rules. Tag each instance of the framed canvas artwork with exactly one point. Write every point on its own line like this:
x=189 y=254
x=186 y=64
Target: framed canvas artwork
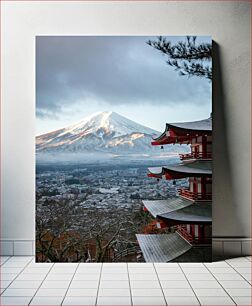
x=123 y=149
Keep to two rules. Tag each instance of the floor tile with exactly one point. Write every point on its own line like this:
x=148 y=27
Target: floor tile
x=82 y=292
x=80 y=300
x=10 y=270
x=19 y=292
x=36 y=270
x=93 y=264
x=51 y=292
x=58 y=277
x=4 y=259
x=220 y=300
x=201 y=276
x=241 y=264
x=152 y=301
x=209 y=292
x=216 y=264
x=114 y=292
x=243 y=270
x=243 y=300
x=168 y=270
x=8 y=276
x=228 y=276
x=114 y=284
x=237 y=259
x=178 y=292
x=195 y=270
x=220 y=270
x=85 y=284
x=166 y=264
x=189 y=300
x=142 y=271
x=146 y=292
x=191 y=264
x=25 y=284
x=21 y=258
x=171 y=276
x=103 y=300
x=47 y=300
x=15 y=300
x=143 y=277
x=112 y=277
x=14 y=264
x=30 y=276
x=5 y=283
x=114 y=271
x=166 y=284
x=234 y=284
x=63 y=270
x=55 y=284
x=140 y=264
x=247 y=277
x=88 y=271
x=239 y=291
x=33 y=264
x=144 y=284
x=204 y=284
x=87 y=276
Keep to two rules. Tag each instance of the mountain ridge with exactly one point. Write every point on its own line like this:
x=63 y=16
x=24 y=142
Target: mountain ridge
x=103 y=132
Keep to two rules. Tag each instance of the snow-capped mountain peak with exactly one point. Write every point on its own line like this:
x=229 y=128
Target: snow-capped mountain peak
x=102 y=130
x=97 y=136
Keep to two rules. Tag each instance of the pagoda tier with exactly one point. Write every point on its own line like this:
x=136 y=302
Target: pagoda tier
x=162 y=247
x=185 y=132
x=179 y=211
x=187 y=169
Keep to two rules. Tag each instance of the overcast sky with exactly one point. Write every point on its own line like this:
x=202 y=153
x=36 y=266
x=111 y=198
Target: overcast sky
x=77 y=76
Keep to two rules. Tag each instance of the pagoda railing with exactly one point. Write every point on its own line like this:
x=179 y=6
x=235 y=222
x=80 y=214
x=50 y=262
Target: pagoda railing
x=194 y=195
x=193 y=240
x=183 y=232
x=196 y=155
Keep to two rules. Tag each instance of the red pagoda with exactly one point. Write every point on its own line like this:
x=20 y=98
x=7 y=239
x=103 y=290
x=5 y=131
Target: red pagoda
x=188 y=217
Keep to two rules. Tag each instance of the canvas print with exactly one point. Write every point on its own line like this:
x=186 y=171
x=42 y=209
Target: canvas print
x=123 y=148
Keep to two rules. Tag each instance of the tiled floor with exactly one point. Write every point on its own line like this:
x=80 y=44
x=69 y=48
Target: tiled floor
x=24 y=282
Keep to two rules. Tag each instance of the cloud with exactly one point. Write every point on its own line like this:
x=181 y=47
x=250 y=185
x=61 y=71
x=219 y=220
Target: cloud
x=111 y=70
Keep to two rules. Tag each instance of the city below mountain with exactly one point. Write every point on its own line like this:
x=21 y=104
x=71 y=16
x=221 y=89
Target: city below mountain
x=103 y=134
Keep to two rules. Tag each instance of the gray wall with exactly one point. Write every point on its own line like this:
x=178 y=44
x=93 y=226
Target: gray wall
x=229 y=25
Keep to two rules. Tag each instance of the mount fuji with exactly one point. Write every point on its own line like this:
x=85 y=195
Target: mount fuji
x=101 y=133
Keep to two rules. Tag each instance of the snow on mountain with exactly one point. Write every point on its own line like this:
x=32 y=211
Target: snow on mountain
x=106 y=132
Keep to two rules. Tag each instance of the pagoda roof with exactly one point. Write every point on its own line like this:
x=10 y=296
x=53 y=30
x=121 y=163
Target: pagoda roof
x=159 y=207
x=200 y=125
x=186 y=169
x=180 y=210
x=195 y=213
x=181 y=132
x=163 y=247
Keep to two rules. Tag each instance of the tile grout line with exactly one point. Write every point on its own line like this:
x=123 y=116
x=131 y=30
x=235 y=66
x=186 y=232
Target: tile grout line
x=189 y=284
x=131 y=299
x=69 y=284
x=41 y=283
x=98 y=288
x=160 y=283
x=239 y=273
x=9 y=257
x=220 y=284
x=1 y=266
x=16 y=276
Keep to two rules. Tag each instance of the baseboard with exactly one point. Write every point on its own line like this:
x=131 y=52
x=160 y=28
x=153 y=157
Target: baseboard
x=227 y=247
x=17 y=247
x=222 y=247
